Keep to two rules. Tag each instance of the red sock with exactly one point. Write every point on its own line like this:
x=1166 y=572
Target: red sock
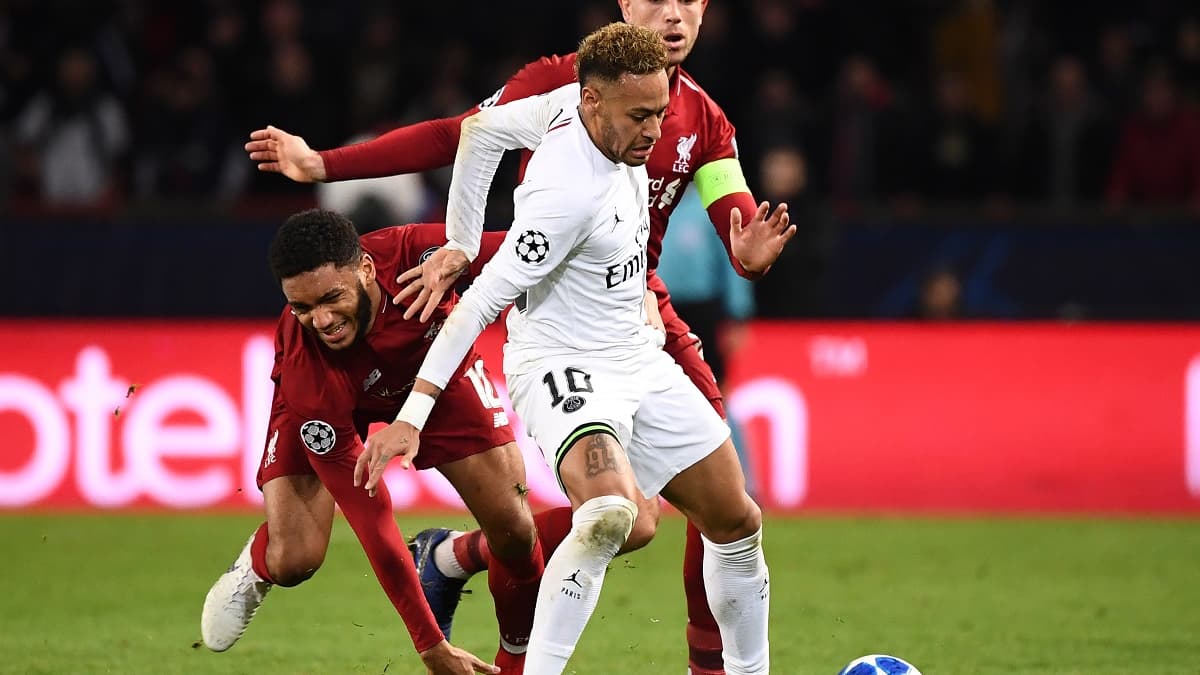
x=258 y=554
x=510 y=663
x=703 y=636
x=373 y=523
x=514 y=586
x=472 y=552
x=474 y=556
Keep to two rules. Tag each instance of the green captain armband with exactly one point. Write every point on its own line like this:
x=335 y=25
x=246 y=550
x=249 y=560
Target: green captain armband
x=718 y=179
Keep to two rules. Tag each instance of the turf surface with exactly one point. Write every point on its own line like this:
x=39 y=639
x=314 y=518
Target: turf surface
x=122 y=594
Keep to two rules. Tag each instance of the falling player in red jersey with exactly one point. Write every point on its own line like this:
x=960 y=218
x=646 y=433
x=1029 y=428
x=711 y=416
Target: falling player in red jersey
x=346 y=358
x=697 y=146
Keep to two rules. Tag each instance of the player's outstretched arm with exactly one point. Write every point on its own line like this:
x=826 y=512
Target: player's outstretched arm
x=277 y=151
x=483 y=141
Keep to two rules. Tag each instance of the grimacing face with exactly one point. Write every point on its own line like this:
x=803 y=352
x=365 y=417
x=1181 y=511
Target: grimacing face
x=677 y=21
x=629 y=114
x=333 y=303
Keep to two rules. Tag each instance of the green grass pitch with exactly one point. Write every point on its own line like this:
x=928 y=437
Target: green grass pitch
x=122 y=594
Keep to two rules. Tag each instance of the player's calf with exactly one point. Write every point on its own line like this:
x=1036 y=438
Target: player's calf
x=293 y=564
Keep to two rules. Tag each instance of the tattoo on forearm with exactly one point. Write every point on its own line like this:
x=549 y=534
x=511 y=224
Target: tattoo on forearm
x=601 y=456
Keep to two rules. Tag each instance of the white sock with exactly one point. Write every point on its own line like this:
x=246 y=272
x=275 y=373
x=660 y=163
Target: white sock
x=571 y=584
x=737 y=584
x=445 y=560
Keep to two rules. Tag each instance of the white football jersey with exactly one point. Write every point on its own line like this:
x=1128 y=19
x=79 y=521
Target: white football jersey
x=576 y=252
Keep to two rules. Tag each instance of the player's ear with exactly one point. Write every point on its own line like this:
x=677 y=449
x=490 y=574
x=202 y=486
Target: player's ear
x=367 y=269
x=589 y=96
x=625 y=9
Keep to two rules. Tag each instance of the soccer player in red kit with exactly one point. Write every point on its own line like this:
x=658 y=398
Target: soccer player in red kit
x=697 y=146
x=346 y=358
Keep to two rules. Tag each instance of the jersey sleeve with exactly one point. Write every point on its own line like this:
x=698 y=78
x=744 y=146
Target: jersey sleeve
x=550 y=222
x=484 y=139
x=721 y=184
x=719 y=136
x=539 y=77
x=409 y=149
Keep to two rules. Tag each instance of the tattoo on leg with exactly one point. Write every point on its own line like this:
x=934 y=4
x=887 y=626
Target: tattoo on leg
x=600 y=455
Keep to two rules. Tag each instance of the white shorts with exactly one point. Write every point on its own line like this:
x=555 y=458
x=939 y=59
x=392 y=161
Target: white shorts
x=661 y=420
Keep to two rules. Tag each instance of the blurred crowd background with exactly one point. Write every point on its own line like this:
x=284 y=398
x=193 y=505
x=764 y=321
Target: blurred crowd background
x=943 y=158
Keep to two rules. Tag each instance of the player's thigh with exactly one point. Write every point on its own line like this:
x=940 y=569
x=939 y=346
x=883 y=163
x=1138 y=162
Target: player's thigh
x=595 y=465
x=299 y=520
x=492 y=485
x=580 y=413
x=674 y=426
x=712 y=494
x=299 y=508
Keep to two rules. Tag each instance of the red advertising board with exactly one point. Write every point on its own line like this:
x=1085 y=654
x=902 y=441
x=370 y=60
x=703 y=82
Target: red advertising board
x=871 y=417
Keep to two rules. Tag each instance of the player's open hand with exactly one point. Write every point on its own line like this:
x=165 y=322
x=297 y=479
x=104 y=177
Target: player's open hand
x=398 y=439
x=758 y=245
x=277 y=151
x=446 y=659
x=430 y=280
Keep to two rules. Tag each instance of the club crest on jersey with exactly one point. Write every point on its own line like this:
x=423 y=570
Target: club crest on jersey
x=533 y=247
x=318 y=436
x=573 y=403
x=426 y=254
x=270 y=458
x=684 y=148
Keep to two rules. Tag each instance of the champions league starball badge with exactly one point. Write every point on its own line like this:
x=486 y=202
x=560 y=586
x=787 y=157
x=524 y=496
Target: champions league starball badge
x=532 y=247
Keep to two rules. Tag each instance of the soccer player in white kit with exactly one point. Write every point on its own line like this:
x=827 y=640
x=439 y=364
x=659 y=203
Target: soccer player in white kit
x=616 y=417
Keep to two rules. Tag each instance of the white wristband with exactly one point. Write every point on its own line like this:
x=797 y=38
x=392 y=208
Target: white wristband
x=416 y=409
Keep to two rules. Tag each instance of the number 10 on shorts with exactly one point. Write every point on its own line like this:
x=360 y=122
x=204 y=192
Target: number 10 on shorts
x=577 y=382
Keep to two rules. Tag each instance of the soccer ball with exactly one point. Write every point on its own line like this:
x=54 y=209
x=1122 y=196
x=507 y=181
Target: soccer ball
x=879 y=664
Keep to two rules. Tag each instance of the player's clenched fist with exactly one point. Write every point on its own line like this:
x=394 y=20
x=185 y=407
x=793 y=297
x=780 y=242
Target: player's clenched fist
x=398 y=439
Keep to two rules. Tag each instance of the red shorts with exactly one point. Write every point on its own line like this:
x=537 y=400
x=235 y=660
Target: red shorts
x=461 y=424
x=685 y=347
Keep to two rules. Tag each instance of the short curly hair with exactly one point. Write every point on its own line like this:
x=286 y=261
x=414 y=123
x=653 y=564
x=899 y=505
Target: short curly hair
x=618 y=49
x=310 y=239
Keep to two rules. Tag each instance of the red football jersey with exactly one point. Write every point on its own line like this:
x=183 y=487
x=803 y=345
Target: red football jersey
x=367 y=382
x=695 y=131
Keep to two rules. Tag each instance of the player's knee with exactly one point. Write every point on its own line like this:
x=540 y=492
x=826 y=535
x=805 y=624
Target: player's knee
x=737 y=523
x=644 y=527
x=605 y=523
x=512 y=539
x=293 y=563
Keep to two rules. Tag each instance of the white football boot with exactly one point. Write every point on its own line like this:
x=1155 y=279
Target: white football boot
x=232 y=602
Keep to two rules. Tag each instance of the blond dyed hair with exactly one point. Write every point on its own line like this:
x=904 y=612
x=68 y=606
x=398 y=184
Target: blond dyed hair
x=618 y=49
